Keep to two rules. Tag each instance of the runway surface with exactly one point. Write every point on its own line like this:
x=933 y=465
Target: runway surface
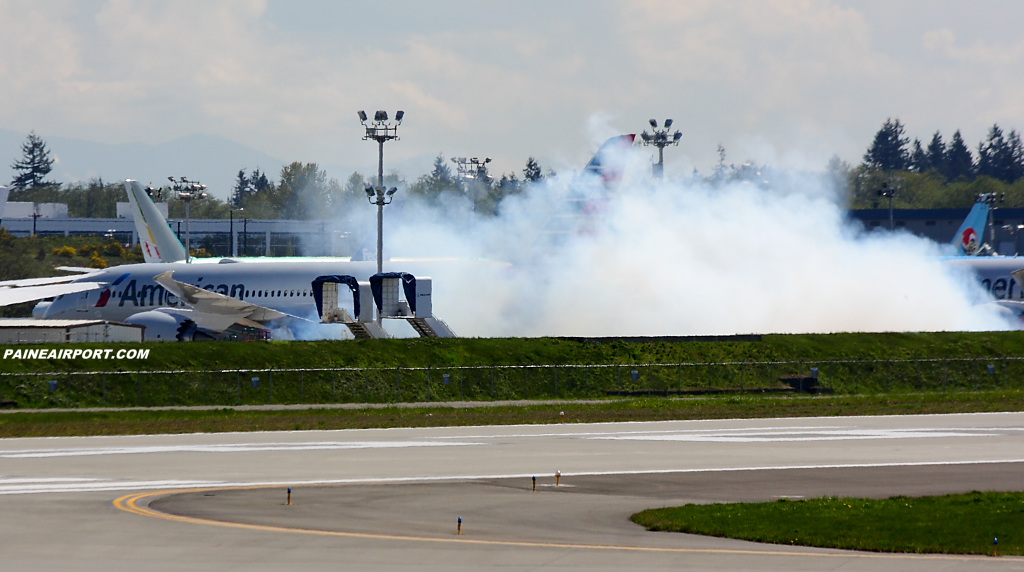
x=388 y=499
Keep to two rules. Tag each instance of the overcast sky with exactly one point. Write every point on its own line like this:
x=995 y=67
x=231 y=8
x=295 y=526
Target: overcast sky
x=782 y=82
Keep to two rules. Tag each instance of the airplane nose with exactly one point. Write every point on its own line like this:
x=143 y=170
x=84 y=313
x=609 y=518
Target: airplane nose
x=40 y=309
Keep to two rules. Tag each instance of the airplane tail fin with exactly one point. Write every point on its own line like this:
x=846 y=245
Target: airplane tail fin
x=968 y=239
x=158 y=242
x=610 y=160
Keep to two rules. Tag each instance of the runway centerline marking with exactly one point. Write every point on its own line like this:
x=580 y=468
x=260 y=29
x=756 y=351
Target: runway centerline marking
x=226 y=448
x=129 y=503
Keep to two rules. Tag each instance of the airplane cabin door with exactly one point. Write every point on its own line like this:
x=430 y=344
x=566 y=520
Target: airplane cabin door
x=82 y=303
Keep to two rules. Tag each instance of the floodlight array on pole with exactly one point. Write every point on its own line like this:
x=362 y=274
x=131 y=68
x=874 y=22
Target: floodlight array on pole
x=889 y=189
x=380 y=130
x=187 y=191
x=660 y=138
x=471 y=170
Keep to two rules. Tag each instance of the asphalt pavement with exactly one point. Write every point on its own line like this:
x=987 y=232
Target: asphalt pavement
x=389 y=499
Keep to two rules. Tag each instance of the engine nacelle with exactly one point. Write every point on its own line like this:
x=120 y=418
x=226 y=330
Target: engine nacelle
x=165 y=326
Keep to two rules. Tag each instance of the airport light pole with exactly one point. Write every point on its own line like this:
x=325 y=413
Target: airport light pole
x=380 y=130
x=660 y=138
x=187 y=191
x=889 y=189
x=231 y=231
x=992 y=199
x=471 y=170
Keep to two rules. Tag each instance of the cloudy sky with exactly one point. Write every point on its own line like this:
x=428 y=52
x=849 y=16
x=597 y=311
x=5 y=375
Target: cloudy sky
x=784 y=82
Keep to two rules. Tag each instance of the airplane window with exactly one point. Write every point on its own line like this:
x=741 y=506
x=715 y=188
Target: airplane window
x=293 y=292
x=246 y=294
x=259 y=294
x=278 y=292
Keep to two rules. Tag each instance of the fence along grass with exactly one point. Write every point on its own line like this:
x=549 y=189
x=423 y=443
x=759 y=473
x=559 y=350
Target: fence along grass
x=493 y=383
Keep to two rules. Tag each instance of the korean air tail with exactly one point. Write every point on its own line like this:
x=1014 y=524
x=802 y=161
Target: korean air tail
x=968 y=239
x=158 y=242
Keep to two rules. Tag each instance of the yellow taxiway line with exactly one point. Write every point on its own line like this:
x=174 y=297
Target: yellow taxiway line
x=130 y=503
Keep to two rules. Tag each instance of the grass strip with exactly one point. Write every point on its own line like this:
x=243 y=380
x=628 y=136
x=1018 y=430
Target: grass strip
x=456 y=352
x=114 y=422
x=949 y=524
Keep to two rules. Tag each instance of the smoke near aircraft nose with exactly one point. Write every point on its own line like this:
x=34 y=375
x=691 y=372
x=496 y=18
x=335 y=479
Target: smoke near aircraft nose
x=685 y=258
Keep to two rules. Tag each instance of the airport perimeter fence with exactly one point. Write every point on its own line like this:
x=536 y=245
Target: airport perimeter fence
x=497 y=383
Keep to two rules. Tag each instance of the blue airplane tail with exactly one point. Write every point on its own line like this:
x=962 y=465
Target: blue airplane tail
x=968 y=239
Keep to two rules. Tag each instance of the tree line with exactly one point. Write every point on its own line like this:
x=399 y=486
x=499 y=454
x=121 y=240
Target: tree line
x=301 y=190
x=939 y=174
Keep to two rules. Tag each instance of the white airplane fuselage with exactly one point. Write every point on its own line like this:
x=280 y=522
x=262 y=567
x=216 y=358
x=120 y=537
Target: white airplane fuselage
x=993 y=274
x=282 y=286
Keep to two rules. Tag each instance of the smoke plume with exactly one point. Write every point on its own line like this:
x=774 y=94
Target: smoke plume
x=682 y=257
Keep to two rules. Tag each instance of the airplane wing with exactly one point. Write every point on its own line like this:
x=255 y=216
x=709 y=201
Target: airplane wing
x=18 y=294
x=207 y=302
x=158 y=242
x=78 y=269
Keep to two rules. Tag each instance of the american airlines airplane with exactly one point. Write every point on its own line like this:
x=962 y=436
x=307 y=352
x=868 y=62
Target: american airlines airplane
x=178 y=301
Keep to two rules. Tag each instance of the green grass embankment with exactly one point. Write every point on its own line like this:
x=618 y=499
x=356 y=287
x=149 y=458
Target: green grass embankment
x=950 y=524
x=390 y=371
x=134 y=422
x=457 y=352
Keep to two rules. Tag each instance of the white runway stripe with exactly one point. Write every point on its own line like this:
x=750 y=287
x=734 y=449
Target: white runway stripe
x=99 y=485
x=760 y=431
x=775 y=436
x=224 y=448
x=73 y=485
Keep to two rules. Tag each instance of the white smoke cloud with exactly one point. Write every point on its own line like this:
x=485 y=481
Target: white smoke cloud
x=683 y=257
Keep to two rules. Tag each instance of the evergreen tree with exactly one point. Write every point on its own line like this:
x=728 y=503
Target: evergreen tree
x=997 y=156
x=918 y=157
x=258 y=181
x=838 y=173
x=958 y=163
x=532 y=173
x=241 y=189
x=34 y=166
x=888 y=151
x=441 y=173
x=1016 y=156
x=438 y=181
x=935 y=154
